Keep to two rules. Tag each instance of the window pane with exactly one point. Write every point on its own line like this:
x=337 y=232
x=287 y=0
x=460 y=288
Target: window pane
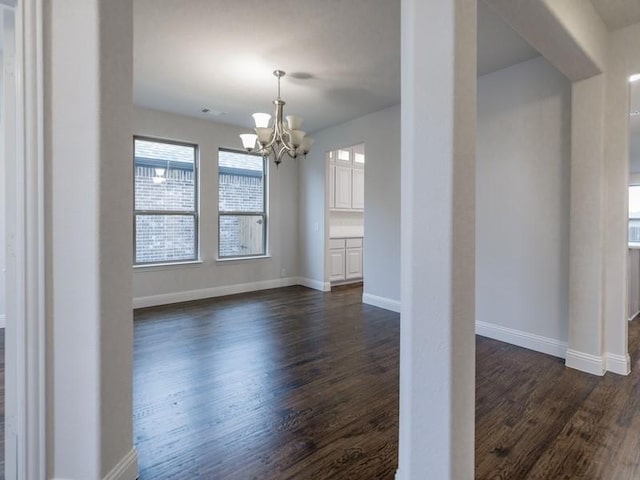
x=344 y=155
x=165 y=238
x=164 y=176
x=241 y=235
x=634 y=230
x=241 y=182
x=634 y=201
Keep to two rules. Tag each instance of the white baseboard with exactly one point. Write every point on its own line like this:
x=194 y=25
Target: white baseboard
x=538 y=343
x=585 y=362
x=126 y=469
x=619 y=364
x=381 y=302
x=177 y=297
x=315 y=284
x=3 y=321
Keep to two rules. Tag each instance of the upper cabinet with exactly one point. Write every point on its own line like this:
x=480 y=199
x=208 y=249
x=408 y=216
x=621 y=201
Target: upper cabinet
x=357 y=188
x=346 y=178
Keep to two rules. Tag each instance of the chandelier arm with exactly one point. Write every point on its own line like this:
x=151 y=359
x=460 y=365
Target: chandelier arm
x=280 y=153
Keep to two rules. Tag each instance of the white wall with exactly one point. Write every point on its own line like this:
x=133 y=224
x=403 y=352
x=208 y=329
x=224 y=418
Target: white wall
x=88 y=61
x=523 y=187
x=380 y=133
x=155 y=285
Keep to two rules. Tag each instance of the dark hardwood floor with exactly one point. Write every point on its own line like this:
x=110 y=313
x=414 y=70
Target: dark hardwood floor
x=1 y=403
x=296 y=384
x=287 y=383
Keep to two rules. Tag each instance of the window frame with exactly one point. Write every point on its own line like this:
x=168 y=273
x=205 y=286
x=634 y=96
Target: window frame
x=186 y=213
x=264 y=214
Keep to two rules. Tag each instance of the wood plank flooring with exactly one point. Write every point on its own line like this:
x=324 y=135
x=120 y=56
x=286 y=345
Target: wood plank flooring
x=1 y=403
x=270 y=385
x=296 y=384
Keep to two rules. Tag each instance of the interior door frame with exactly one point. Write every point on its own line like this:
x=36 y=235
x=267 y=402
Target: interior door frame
x=25 y=432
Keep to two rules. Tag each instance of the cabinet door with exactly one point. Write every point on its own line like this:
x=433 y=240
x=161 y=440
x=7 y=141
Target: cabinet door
x=332 y=186
x=354 y=263
x=344 y=155
x=336 y=264
x=357 y=189
x=343 y=187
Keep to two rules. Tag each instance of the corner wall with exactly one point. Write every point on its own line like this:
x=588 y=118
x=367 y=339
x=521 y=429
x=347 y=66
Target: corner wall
x=167 y=284
x=624 y=59
x=380 y=133
x=523 y=188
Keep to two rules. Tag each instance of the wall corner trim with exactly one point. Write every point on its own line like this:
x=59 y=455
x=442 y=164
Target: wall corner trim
x=620 y=364
x=538 y=343
x=381 y=302
x=126 y=469
x=585 y=362
x=314 y=284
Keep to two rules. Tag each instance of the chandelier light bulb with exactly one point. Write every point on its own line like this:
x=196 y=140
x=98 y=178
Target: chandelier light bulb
x=249 y=141
x=262 y=119
x=294 y=122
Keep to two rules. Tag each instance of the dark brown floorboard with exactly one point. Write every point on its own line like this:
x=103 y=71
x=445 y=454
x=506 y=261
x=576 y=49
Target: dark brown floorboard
x=296 y=384
x=1 y=403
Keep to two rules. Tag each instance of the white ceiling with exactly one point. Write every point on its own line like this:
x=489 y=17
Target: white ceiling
x=499 y=46
x=618 y=13
x=342 y=57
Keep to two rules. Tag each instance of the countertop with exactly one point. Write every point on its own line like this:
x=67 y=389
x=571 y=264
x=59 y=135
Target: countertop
x=346 y=232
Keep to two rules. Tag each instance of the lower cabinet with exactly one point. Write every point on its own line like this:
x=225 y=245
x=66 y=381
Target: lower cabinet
x=345 y=259
x=336 y=264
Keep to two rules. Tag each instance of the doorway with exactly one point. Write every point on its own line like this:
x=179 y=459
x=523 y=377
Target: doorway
x=344 y=191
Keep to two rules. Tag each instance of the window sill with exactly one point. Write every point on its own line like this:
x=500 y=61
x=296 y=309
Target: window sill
x=242 y=259
x=168 y=266
x=634 y=245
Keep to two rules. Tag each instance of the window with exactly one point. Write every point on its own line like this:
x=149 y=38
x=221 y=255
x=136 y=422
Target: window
x=634 y=214
x=242 y=215
x=165 y=201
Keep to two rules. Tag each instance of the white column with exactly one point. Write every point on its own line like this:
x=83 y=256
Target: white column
x=623 y=61
x=88 y=126
x=437 y=351
x=586 y=260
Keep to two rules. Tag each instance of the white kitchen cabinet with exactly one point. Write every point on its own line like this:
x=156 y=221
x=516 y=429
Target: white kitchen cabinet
x=343 y=187
x=337 y=263
x=357 y=189
x=346 y=179
x=332 y=185
x=345 y=259
x=353 y=263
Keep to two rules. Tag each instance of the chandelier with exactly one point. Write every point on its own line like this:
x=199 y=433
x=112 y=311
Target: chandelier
x=280 y=138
